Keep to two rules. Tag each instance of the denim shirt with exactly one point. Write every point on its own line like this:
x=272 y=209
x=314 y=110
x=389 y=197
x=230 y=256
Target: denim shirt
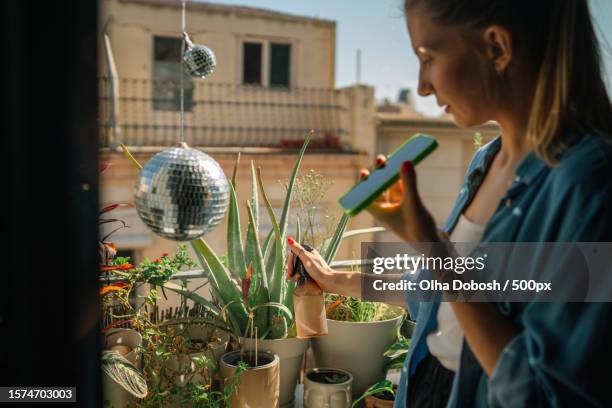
x=554 y=358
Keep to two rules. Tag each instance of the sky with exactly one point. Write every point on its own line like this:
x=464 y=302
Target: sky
x=377 y=27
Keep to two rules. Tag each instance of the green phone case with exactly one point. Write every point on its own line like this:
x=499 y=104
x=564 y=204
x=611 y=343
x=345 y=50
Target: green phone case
x=433 y=144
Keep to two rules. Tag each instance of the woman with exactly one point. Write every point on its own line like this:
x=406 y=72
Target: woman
x=533 y=67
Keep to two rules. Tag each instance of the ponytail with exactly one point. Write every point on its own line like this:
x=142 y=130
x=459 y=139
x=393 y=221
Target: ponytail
x=570 y=93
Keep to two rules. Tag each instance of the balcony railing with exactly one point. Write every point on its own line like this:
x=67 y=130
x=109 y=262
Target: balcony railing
x=148 y=114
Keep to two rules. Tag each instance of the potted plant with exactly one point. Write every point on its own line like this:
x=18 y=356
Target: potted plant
x=127 y=342
x=379 y=395
x=179 y=354
x=325 y=387
x=374 y=324
x=122 y=381
x=258 y=384
x=382 y=394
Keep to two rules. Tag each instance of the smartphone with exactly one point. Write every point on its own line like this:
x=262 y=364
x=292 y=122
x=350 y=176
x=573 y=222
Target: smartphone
x=365 y=191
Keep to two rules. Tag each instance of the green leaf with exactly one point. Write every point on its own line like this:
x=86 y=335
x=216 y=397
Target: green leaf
x=235 y=256
x=254 y=197
x=398 y=348
x=276 y=305
x=254 y=250
x=227 y=289
x=285 y=212
x=191 y=296
x=379 y=387
x=336 y=239
x=259 y=288
x=237 y=327
x=235 y=172
x=276 y=280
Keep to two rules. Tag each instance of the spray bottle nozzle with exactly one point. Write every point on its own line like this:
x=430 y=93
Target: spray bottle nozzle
x=298 y=267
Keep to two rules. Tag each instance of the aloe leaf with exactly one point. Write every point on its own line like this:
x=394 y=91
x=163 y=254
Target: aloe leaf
x=253 y=242
x=288 y=299
x=235 y=171
x=237 y=328
x=276 y=279
x=227 y=289
x=235 y=256
x=254 y=198
x=279 y=324
x=298 y=231
x=283 y=221
x=276 y=305
x=191 y=296
x=285 y=214
x=336 y=239
x=259 y=291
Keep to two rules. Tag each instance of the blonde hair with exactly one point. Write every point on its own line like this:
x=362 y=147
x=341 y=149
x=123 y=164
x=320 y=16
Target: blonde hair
x=570 y=92
x=559 y=40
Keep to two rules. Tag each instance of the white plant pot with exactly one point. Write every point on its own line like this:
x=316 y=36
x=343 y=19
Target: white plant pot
x=115 y=394
x=324 y=395
x=257 y=386
x=357 y=348
x=291 y=352
x=120 y=339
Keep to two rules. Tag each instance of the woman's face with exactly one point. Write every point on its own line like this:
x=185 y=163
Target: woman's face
x=452 y=70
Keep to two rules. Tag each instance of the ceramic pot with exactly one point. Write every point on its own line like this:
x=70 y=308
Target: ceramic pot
x=327 y=388
x=127 y=342
x=357 y=348
x=258 y=386
x=291 y=353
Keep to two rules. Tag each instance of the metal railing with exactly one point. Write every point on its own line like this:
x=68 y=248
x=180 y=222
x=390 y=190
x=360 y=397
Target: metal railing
x=222 y=114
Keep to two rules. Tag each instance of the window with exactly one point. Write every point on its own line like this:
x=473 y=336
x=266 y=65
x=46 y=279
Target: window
x=251 y=71
x=266 y=63
x=280 y=58
x=167 y=73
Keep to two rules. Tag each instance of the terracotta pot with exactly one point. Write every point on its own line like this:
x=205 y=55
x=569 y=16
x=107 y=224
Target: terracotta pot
x=372 y=401
x=257 y=386
x=321 y=394
x=357 y=348
x=290 y=352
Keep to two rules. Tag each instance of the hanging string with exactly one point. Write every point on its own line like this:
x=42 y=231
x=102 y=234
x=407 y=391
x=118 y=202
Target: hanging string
x=182 y=67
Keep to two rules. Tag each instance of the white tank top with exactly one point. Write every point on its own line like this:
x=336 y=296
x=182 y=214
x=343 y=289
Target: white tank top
x=445 y=342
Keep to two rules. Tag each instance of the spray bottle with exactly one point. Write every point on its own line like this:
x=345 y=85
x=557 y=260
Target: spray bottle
x=308 y=302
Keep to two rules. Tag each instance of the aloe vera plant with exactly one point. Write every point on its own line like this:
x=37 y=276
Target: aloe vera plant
x=250 y=287
x=263 y=299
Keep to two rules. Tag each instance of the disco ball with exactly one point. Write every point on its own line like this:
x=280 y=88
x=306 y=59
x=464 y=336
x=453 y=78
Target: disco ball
x=181 y=194
x=200 y=61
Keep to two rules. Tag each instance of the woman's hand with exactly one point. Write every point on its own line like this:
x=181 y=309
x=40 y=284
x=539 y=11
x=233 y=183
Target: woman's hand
x=331 y=281
x=400 y=209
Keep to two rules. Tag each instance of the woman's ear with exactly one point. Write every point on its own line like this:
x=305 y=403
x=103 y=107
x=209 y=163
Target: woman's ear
x=498 y=45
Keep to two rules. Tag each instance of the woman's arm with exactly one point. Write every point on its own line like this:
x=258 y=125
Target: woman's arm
x=345 y=283
x=486 y=331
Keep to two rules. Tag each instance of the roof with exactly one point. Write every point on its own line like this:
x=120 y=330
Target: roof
x=207 y=7
x=394 y=119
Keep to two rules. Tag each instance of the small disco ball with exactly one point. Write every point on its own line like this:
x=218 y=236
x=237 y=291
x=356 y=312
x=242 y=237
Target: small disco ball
x=200 y=61
x=181 y=194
